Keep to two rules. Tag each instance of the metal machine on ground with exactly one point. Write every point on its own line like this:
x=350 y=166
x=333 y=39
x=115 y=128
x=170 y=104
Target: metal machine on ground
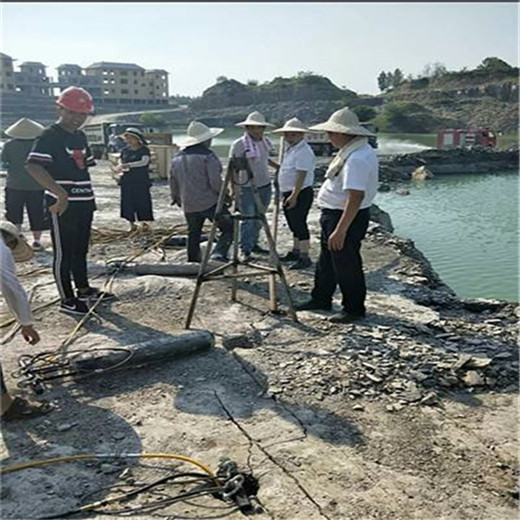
x=235 y=166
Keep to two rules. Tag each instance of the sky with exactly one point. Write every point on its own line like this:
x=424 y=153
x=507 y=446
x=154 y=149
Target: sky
x=350 y=43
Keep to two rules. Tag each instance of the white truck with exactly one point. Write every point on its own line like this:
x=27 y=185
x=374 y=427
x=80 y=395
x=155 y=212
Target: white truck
x=99 y=136
x=320 y=144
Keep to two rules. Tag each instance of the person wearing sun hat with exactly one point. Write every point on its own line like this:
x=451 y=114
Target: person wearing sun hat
x=21 y=190
x=255 y=147
x=195 y=180
x=59 y=161
x=344 y=198
x=296 y=179
x=13 y=247
x=134 y=180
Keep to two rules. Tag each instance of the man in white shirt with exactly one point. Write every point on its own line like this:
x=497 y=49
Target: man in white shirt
x=344 y=198
x=296 y=180
x=13 y=247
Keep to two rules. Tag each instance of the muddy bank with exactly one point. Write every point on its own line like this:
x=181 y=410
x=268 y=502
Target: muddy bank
x=409 y=414
x=398 y=168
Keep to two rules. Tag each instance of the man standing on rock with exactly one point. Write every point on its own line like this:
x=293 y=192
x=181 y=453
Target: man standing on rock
x=59 y=161
x=344 y=198
x=255 y=147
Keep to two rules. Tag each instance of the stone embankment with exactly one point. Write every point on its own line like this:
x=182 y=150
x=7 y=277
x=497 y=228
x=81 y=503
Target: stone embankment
x=395 y=168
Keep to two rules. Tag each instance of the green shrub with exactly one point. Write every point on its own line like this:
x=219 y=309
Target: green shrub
x=364 y=112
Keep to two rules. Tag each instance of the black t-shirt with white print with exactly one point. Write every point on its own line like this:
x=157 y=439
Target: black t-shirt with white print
x=66 y=156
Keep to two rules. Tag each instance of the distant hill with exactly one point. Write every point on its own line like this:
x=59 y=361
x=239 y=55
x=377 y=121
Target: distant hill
x=310 y=87
x=475 y=98
x=308 y=96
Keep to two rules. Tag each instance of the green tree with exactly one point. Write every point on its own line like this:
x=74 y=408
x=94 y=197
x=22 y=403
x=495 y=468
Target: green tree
x=434 y=70
x=382 y=81
x=305 y=74
x=397 y=78
x=364 y=112
x=252 y=82
x=494 y=64
x=151 y=119
x=221 y=79
x=405 y=117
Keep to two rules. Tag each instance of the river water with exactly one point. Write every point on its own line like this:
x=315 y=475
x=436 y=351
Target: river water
x=465 y=224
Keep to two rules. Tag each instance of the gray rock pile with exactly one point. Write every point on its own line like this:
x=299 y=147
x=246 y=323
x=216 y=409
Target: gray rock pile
x=404 y=365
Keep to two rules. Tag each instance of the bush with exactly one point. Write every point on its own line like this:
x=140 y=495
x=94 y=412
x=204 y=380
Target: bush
x=151 y=119
x=406 y=117
x=365 y=113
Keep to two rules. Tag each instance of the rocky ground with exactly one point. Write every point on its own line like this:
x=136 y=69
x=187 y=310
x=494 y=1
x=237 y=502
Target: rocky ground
x=410 y=414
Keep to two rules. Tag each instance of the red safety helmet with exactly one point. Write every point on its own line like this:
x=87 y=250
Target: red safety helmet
x=76 y=99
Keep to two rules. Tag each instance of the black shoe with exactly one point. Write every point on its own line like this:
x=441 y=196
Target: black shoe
x=74 y=307
x=92 y=293
x=291 y=256
x=345 y=317
x=302 y=263
x=313 y=305
x=260 y=250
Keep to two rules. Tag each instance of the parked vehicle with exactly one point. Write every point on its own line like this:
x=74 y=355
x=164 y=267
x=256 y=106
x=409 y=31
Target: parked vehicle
x=320 y=144
x=101 y=136
x=466 y=138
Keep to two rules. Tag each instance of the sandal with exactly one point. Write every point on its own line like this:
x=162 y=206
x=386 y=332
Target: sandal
x=22 y=409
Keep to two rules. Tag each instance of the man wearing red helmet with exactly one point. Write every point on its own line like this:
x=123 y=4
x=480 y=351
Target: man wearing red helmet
x=59 y=161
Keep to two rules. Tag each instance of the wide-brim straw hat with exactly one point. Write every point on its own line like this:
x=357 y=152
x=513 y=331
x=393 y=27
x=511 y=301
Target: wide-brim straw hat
x=293 y=125
x=25 y=129
x=254 y=119
x=343 y=121
x=22 y=251
x=134 y=132
x=199 y=133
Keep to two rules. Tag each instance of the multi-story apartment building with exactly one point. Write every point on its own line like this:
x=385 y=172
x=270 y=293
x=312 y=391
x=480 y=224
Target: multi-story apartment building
x=114 y=84
x=157 y=81
x=127 y=83
x=31 y=79
x=73 y=75
x=7 y=81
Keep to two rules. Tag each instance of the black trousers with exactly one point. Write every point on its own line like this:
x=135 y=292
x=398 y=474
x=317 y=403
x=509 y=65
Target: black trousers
x=344 y=267
x=136 y=202
x=195 y=222
x=70 y=235
x=33 y=200
x=297 y=217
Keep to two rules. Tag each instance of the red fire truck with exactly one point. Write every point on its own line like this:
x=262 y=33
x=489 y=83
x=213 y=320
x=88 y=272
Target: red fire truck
x=466 y=138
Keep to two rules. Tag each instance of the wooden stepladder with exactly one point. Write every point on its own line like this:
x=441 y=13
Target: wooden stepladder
x=230 y=270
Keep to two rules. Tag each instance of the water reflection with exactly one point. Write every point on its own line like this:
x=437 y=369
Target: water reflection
x=467 y=226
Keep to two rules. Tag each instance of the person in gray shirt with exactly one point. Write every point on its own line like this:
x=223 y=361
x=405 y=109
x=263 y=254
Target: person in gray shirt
x=21 y=189
x=195 y=182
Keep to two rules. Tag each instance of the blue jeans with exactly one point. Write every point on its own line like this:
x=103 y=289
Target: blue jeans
x=250 y=229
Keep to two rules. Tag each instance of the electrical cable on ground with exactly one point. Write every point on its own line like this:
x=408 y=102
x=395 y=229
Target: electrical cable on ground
x=229 y=484
x=59 y=356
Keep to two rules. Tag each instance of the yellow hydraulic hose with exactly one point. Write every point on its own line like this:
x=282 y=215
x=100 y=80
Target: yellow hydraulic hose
x=72 y=458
